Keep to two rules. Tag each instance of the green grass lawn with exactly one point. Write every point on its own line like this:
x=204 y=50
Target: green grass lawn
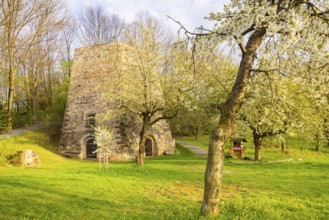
x=167 y=187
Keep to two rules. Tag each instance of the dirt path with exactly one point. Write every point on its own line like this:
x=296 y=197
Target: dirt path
x=20 y=131
x=197 y=150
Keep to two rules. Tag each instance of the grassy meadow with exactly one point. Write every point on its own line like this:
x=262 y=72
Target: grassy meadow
x=283 y=186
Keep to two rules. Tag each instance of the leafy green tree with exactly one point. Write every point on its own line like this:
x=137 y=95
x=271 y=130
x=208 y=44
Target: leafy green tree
x=52 y=116
x=203 y=81
x=136 y=85
x=273 y=106
x=24 y=24
x=266 y=32
x=313 y=80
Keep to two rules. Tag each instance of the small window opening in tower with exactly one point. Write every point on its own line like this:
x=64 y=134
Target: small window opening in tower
x=91 y=120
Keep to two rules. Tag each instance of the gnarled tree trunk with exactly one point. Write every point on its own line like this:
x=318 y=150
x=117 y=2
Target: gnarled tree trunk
x=214 y=170
x=226 y=127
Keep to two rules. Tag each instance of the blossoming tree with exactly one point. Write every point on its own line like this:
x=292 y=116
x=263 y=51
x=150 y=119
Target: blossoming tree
x=105 y=143
x=266 y=32
x=136 y=85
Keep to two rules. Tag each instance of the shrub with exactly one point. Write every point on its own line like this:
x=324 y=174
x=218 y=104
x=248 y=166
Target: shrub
x=52 y=123
x=7 y=157
x=52 y=116
x=3 y=121
x=21 y=119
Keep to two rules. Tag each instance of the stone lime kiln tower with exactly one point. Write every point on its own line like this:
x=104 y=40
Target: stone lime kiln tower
x=91 y=68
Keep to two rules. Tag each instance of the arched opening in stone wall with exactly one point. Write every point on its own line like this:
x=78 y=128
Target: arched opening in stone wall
x=150 y=146
x=90 y=148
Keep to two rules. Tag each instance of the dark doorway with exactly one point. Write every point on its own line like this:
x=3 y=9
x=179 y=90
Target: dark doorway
x=90 y=148
x=148 y=147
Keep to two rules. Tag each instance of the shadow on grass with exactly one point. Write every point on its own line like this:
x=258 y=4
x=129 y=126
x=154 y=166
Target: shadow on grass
x=40 y=198
x=51 y=202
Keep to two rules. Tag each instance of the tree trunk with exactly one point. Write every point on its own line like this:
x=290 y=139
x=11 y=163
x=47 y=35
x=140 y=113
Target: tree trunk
x=34 y=104
x=11 y=96
x=10 y=44
x=282 y=146
x=226 y=127
x=258 y=145
x=141 y=151
x=197 y=133
x=27 y=89
x=317 y=144
x=214 y=172
x=326 y=130
x=50 y=90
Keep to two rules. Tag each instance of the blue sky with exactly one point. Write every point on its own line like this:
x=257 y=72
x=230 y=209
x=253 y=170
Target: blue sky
x=191 y=13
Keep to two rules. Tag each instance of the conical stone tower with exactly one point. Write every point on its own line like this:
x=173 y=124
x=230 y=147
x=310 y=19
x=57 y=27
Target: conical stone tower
x=90 y=69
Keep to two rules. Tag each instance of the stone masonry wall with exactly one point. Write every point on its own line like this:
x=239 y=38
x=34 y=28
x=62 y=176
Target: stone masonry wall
x=91 y=69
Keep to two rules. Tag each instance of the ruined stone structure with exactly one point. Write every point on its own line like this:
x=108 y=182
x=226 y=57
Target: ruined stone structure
x=91 y=68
